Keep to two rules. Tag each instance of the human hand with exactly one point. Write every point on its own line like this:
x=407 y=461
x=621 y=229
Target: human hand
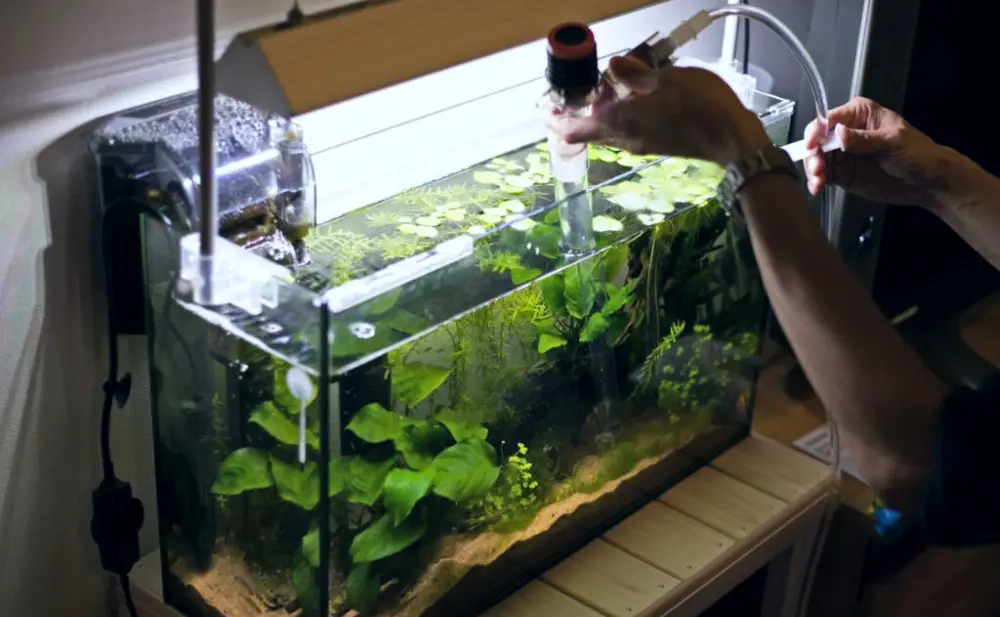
x=685 y=112
x=883 y=158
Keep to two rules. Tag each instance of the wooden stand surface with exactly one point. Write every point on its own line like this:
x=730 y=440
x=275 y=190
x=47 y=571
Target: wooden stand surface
x=758 y=504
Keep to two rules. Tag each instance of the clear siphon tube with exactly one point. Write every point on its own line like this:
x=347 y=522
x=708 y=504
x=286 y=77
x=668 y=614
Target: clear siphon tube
x=575 y=84
x=822 y=111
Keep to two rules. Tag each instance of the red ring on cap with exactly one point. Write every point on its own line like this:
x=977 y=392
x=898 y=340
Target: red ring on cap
x=575 y=51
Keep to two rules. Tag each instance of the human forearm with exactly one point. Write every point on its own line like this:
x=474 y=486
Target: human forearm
x=875 y=386
x=967 y=198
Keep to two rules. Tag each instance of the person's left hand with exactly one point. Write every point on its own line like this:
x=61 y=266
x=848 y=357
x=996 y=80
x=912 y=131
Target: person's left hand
x=685 y=112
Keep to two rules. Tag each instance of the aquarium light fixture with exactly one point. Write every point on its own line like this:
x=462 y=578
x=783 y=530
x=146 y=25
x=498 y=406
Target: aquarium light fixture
x=383 y=141
x=311 y=62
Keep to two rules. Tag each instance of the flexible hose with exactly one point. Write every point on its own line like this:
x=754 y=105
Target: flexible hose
x=830 y=227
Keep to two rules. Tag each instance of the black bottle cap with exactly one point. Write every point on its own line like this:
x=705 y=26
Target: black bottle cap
x=572 y=68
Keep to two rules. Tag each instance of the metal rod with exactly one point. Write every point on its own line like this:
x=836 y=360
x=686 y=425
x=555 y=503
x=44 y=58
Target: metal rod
x=208 y=194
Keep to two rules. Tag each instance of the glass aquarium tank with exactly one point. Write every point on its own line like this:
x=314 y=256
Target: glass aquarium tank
x=414 y=408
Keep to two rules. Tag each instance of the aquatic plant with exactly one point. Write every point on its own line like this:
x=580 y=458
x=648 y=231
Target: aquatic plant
x=443 y=457
x=514 y=498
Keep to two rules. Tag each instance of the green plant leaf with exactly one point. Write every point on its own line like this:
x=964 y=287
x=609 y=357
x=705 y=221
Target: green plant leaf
x=553 y=293
x=363 y=589
x=463 y=473
x=421 y=441
x=614 y=261
x=295 y=485
x=245 y=469
x=415 y=381
x=382 y=304
x=606 y=224
x=280 y=426
x=547 y=342
x=521 y=274
x=383 y=539
x=310 y=546
x=346 y=344
x=546 y=239
x=365 y=479
x=403 y=489
x=304 y=583
x=461 y=428
x=283 y=398
x=340 y=472
x=375 y=424
x=488 y=177
x=580 y=292
x=619 y=300
x=406 y=322
x=596 y=326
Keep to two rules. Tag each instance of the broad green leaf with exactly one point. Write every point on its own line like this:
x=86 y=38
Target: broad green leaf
x=521 y=274
x=553 y=293
x=296 y=485
x=340 y=472
x=545 y=239
x=304 y=583
x=547 y=342
x=383 y=303
x=513 y=205
x=520 y=224
x=461 y=428
x=488 y=177
x=366 y=478
x=363 y=589
x=283 y=397
x=614 y=261
x=421 y=441
x=404 y=321
x=415 y=381
x=596 y=326
x=375 y=424
x=551 y=217
x=463 y=473
x=619 y=300
x=580 y=293
x=280 y=426
x=245 y=469
x=347 y=343
x=403 y=488
x=383 y=539
x=606 y=224
x=310 y=546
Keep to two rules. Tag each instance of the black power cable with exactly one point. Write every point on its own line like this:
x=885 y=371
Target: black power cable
x=746 y=43
x=117 y=515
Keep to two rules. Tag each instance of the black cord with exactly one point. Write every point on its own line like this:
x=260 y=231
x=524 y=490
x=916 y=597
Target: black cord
x=746 y=43
x=127 y=592
x=117 y=515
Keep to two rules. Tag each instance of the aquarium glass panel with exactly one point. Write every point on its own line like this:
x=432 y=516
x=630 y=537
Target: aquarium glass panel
x=440 y=401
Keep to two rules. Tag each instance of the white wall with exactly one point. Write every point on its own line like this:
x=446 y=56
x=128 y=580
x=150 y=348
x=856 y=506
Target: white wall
x=62 y=65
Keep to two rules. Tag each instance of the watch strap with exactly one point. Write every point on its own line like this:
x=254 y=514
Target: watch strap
x=738 y=175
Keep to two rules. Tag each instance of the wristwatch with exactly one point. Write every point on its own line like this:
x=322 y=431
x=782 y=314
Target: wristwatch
x=769 y=160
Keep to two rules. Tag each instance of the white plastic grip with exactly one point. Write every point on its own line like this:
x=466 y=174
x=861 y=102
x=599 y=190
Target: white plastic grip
x=798 y=151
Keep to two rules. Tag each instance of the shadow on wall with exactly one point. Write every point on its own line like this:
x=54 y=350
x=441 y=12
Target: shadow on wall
x=49 y=454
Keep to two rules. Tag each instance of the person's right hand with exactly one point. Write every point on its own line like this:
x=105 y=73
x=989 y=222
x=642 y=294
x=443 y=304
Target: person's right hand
x=884 y=159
